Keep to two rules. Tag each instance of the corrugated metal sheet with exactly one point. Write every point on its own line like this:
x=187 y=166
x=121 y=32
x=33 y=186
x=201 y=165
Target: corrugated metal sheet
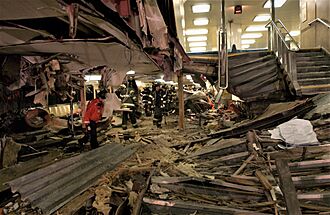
x=51 y=187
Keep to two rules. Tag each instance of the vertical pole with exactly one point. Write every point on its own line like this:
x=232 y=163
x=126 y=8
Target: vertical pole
x=223 y=67
x=272 y=11
x=83 y=102
x=181 y=101
x=71 y=112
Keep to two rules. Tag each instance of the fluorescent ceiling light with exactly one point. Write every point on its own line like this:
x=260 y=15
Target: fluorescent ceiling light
x=189 y=77
x=197 y=44
x=294 y=33
x=278 y=3
x=92 y=77
x=197 y=49
x=251 y=36
x=262 y=18
x=196 y=31
x=201 y=21
x=159 y=80
x=244 y=42
x=201 y=8
x=245 y=46
x=256 y=28
x=131 y=72
x=197 y=38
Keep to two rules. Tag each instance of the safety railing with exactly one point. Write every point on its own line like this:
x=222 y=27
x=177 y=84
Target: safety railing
x=320 y=21
x=284 y=46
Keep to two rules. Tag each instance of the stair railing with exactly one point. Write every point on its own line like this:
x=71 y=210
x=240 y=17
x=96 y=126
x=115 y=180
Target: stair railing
x=284 y=46
x=320 y=21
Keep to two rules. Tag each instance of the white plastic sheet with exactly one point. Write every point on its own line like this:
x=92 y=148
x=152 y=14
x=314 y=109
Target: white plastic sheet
x=296 y=132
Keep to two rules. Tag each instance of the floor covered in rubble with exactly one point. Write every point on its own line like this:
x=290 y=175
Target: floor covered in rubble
x=202 y=169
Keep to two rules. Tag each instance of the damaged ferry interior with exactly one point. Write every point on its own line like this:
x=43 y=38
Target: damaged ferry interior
x=164 y=107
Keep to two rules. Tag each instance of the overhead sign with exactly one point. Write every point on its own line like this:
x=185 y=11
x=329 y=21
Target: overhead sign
x=238 y=9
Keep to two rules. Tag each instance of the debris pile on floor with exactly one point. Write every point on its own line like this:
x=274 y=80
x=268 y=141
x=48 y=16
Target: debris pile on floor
x=244 y=169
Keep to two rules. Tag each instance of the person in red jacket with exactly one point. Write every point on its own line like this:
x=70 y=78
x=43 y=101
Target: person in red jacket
x=92 y=115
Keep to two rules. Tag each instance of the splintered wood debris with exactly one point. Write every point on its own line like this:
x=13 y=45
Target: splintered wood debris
x=191 y=172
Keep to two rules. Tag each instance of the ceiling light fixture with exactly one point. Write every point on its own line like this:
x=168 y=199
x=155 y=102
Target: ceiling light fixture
x=197 y=44
x=201 y=8
x=201 y=21
x=262 y=18
x=197 y=49
x=197 y=38
x=245 y=46
x=130 y=72
x=278 y=3
x=196 y=31
x=92 y=77
x=294 y=33
x=256 y=28
x=251 y=36
x=245 y=42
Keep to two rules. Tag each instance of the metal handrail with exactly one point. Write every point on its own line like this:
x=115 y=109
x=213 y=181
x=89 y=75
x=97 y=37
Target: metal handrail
x=288 y=33
x=279 y=33
x=281 y=48
x=321 y=21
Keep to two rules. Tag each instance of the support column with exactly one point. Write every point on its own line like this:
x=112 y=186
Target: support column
x=181 y=100
x=83 y=103
x=272 y=10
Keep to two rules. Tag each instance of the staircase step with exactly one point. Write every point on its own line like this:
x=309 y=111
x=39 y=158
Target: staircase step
x=254 y=75
x=313 y=63
x=240 y=58
x=313 y=58
x=309 y=54
x=313 y=69
x=312 y=89
x=314 y=81
x=245 y=69
x=252 y=61
x=306 y=75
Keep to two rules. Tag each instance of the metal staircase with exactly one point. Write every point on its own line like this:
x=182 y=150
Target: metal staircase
x=255 y=76
x=307 y=71
x=313 y=71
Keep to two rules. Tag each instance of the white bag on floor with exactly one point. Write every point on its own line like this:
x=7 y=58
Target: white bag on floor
x=296 y=132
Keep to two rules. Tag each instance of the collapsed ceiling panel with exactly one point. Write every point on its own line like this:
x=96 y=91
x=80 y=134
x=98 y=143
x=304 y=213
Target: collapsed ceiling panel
x=113 y=55
x=22 y=9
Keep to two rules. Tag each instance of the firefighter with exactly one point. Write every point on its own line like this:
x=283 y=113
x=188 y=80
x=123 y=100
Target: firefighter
x=92 y=115
x=129 y=98
x=158 y=105
x=147 y=99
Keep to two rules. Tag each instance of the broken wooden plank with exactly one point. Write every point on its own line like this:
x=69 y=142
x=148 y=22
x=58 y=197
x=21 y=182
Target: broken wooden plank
x=236 y=186
x=221 y=193
x=263 y=180
x=221 y=145
x=311 y=181
x=316 y=196
x=315 y=207
x=75 y=204
x=297 y=153
x=240 y=169
x=240 y=155
x=31 y=155
x=186 y=207
x=287 y=187
x=242 y=181
x=137 y=206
